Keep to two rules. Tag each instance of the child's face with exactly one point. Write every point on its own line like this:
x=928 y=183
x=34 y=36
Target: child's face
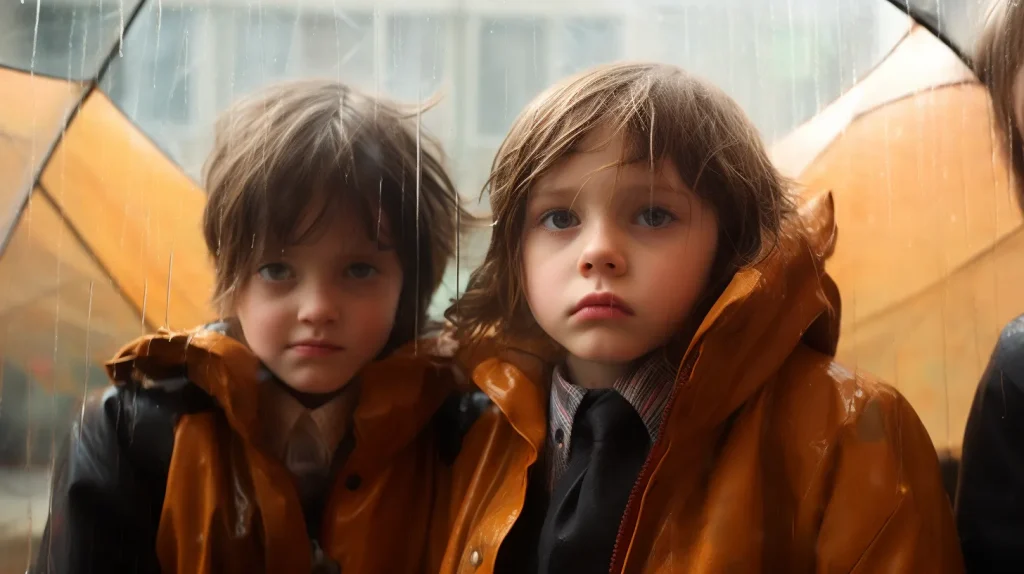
x=592 y=231
x=320 y=311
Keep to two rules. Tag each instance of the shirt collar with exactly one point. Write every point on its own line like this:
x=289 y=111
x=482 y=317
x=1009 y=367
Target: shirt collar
x=647 y=388
x=282 y=412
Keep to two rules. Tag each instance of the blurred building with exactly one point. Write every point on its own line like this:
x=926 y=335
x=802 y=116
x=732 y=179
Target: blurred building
x=182 y=61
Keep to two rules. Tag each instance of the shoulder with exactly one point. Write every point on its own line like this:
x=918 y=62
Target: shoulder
x=1008 y=355
x=842 y=426
x=835 y=402
x=137 y=419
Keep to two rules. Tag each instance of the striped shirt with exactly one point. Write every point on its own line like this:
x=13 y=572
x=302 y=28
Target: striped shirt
x=646 y=388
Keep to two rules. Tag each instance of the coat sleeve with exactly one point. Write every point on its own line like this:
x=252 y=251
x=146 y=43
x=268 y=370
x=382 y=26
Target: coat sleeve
x=888 y=510
x=990 y=491
x=107 y=487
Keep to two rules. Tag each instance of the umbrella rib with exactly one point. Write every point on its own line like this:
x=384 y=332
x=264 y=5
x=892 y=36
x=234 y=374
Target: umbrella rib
x=87 y=90
x=73 y=229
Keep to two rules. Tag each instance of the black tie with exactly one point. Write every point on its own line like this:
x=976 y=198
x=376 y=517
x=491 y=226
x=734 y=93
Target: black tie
x=609 y=445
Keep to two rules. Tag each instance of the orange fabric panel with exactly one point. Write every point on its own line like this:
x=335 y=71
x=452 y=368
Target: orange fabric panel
x=934 y=347
x=32 y=111
x=919 y=191
x=138 y=212
x=58 y=309
x=920 y=62
x=926 y=219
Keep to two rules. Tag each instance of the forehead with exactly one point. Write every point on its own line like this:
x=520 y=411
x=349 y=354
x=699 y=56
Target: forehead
x=337 y=228
x=604 y=160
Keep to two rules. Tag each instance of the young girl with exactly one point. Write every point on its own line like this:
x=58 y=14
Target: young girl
x=689 y=417
x=303 y=432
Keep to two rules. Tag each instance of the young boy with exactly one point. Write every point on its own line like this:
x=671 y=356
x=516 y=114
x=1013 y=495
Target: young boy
x=300 y=433
x=990 y=491
x=693 y=419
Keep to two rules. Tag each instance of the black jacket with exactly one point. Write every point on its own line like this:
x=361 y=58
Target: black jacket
x=990 y=493
x=109 y=480
x=110 y=477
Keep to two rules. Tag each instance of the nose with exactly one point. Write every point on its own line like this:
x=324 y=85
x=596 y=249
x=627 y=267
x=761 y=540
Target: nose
x=602 y=253
x=317 y=305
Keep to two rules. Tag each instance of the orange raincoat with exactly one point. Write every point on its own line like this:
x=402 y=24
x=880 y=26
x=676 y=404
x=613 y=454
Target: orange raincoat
x=771 y=458
x=230 y=506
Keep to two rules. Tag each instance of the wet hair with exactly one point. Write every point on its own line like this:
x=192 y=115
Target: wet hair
x=998 y=62
x=318 y=146
x=665 y=114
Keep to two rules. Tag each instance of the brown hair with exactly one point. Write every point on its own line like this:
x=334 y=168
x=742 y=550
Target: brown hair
x=665 y=113
x=309 y=145
x=998 y=61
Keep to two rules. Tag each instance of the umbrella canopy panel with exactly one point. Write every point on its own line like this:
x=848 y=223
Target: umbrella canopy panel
x=99 y=231
x=928 y=226
x=105 y=192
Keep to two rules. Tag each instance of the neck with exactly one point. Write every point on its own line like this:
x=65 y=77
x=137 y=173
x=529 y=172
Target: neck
x=312 y=401
x=593 y=374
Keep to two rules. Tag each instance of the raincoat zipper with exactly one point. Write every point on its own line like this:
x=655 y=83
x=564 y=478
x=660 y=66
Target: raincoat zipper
x=321 y=562
x=630 y=514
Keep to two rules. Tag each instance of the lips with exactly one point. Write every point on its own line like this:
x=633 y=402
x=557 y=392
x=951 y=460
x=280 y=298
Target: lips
x=602 y=301
x=315 y=347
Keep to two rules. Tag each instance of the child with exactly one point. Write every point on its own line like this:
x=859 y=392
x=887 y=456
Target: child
x=297 y=434
x=694 y=419
x=989 y=505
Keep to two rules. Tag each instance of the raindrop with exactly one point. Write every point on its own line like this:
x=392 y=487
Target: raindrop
x=167 y=303
x=380 y=208
x=145 y=300
x=156 y=52
x=120 y=42
x=88 y=353
x=35 y=39
x=419 y=123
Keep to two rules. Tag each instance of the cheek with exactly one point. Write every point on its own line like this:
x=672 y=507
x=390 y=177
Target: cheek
x=263 y=319
x=687 y=277
x=374 y=312
x=542 y=275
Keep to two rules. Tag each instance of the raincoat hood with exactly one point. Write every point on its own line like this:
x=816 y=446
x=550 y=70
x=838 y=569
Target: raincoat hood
x=765 y=311
x=233 y=506
x=771 y=456
x=753 y=328
x=398 y=397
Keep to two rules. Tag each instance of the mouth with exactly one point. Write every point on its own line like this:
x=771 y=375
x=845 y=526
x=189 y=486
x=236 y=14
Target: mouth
x=601 y=305
x=314 y=348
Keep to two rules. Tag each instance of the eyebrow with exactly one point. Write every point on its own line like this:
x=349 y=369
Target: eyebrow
x=631 y=187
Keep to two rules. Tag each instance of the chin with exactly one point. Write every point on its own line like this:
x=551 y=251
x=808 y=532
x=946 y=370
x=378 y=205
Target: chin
x=605 y=350
x=316 y=386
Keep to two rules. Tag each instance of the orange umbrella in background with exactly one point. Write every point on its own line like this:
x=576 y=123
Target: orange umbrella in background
x=99 y=230
x=931 y=241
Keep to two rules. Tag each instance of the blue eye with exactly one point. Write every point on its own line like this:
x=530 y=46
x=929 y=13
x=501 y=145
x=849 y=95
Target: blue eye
x=360 y=271
x=559 y=219
x=655 y=217
x=276 y=272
